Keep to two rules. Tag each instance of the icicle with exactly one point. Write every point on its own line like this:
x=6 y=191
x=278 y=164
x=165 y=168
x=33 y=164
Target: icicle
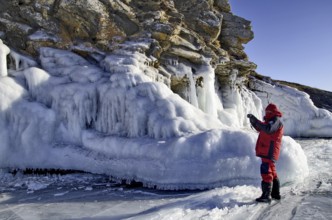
x=17 y=59
x=209 y=101
x=192 y=90
x=4 y=51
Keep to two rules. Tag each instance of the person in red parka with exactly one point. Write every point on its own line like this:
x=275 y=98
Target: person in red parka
x=268 y=148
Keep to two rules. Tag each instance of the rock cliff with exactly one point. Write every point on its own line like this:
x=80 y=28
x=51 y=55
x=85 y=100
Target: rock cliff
x=191 y=33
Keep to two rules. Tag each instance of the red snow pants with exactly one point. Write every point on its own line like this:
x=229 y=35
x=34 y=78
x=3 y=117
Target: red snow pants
x=268 y=170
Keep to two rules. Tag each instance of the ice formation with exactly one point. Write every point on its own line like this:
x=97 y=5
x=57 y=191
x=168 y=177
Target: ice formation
x=4 y=51
x=121 y=119
x=301 y=117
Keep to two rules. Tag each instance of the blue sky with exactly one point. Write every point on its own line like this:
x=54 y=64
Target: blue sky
x=293 y=39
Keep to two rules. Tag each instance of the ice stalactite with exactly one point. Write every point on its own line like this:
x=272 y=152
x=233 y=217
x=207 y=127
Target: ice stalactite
x=132 y=105
x=136 y=109
x=27 y=127
x=16 y=58
x=31 y=125
x=111 y=110
x=208 y=99
x=192 y=90
x=237 y=100
x=229 y=90
x=76 y=107
x=185 y=79
x=113 y=107
x=37 y=81
x=22 y=62
x=250 y=103
x=4 y=51
x=200 y=85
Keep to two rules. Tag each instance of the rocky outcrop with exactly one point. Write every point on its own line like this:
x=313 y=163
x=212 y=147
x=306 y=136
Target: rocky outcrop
x=186 y=36
x=29 y=25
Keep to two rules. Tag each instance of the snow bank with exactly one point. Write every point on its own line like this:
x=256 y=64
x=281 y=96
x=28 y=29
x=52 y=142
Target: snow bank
x=292 y=164
x=301 y=118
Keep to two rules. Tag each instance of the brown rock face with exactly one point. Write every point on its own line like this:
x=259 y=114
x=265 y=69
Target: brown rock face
x=30 y=24
x=183 y=32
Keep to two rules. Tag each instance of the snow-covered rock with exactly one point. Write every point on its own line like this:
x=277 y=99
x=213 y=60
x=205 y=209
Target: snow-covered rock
x=300 y=116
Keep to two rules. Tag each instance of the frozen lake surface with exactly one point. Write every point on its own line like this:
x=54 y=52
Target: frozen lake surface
x=88 y=196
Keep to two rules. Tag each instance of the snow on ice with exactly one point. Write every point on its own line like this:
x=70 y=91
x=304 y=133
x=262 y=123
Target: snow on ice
x=121 y=119
x=91 y=196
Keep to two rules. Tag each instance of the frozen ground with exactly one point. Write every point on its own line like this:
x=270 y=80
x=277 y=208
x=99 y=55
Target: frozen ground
x=86 y=196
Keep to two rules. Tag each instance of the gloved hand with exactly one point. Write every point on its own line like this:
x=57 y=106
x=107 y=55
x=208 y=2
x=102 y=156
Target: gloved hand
x=252 y=119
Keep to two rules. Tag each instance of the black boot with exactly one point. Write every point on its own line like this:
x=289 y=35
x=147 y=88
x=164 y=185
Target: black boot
x=275 y=194
x=266 y=195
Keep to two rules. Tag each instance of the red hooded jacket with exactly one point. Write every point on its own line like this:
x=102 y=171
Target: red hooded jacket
x=270 y=134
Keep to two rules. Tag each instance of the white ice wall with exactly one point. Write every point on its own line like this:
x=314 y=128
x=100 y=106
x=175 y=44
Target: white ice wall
x=300 y=116
x=26 y=127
